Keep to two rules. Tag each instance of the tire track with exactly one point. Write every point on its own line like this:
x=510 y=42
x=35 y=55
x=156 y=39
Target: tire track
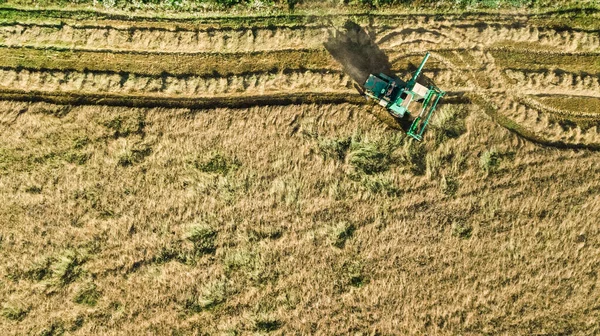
x=540 y=122
x=174 y=85
x=506 y=105
x=535 y=104
x=533 y=126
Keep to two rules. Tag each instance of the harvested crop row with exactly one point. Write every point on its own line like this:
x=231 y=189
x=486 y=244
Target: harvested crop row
x=11 y=15
x=469 y=36
x=578 y=106
x=555 y=82
x=169 y=85
x=434 y=35
x=147 y=39
x=522 y=80
x=28 y=60
x=583 y=108
x=582 y=116
x=212 y=64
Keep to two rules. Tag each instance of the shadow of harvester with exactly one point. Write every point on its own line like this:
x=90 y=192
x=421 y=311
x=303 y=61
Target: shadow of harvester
x=355 y=49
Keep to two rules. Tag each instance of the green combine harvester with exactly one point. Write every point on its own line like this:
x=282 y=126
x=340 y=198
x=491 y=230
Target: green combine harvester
x=396 y=95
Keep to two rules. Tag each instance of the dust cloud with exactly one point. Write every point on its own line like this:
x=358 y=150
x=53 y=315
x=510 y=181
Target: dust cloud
x=356 y=51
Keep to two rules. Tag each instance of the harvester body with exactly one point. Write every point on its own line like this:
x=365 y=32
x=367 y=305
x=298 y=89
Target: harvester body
x=396 y=96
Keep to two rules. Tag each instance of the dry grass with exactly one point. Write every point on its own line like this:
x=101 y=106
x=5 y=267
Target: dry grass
x=258 y=220
x=301 y=218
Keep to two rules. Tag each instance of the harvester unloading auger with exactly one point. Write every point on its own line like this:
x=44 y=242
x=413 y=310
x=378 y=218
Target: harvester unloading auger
x=396 y=95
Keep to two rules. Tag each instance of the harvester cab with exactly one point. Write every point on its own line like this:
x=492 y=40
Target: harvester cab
x=396 y=95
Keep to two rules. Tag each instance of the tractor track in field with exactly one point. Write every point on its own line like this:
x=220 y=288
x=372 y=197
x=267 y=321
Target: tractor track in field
x=504 y=99
x=501 y=63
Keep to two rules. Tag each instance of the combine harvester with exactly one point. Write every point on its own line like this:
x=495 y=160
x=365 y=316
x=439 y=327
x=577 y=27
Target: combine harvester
x=396 y=95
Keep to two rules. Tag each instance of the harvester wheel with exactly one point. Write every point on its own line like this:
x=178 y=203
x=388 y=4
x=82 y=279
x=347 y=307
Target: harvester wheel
x=360 y=90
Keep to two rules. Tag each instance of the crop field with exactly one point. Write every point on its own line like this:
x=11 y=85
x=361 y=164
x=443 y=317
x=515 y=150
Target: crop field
x=204 y=175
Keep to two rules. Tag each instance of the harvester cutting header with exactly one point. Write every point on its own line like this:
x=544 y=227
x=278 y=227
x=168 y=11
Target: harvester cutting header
x=396 y=95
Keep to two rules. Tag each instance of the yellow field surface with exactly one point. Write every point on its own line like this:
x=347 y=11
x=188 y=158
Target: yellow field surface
x=196 y=178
